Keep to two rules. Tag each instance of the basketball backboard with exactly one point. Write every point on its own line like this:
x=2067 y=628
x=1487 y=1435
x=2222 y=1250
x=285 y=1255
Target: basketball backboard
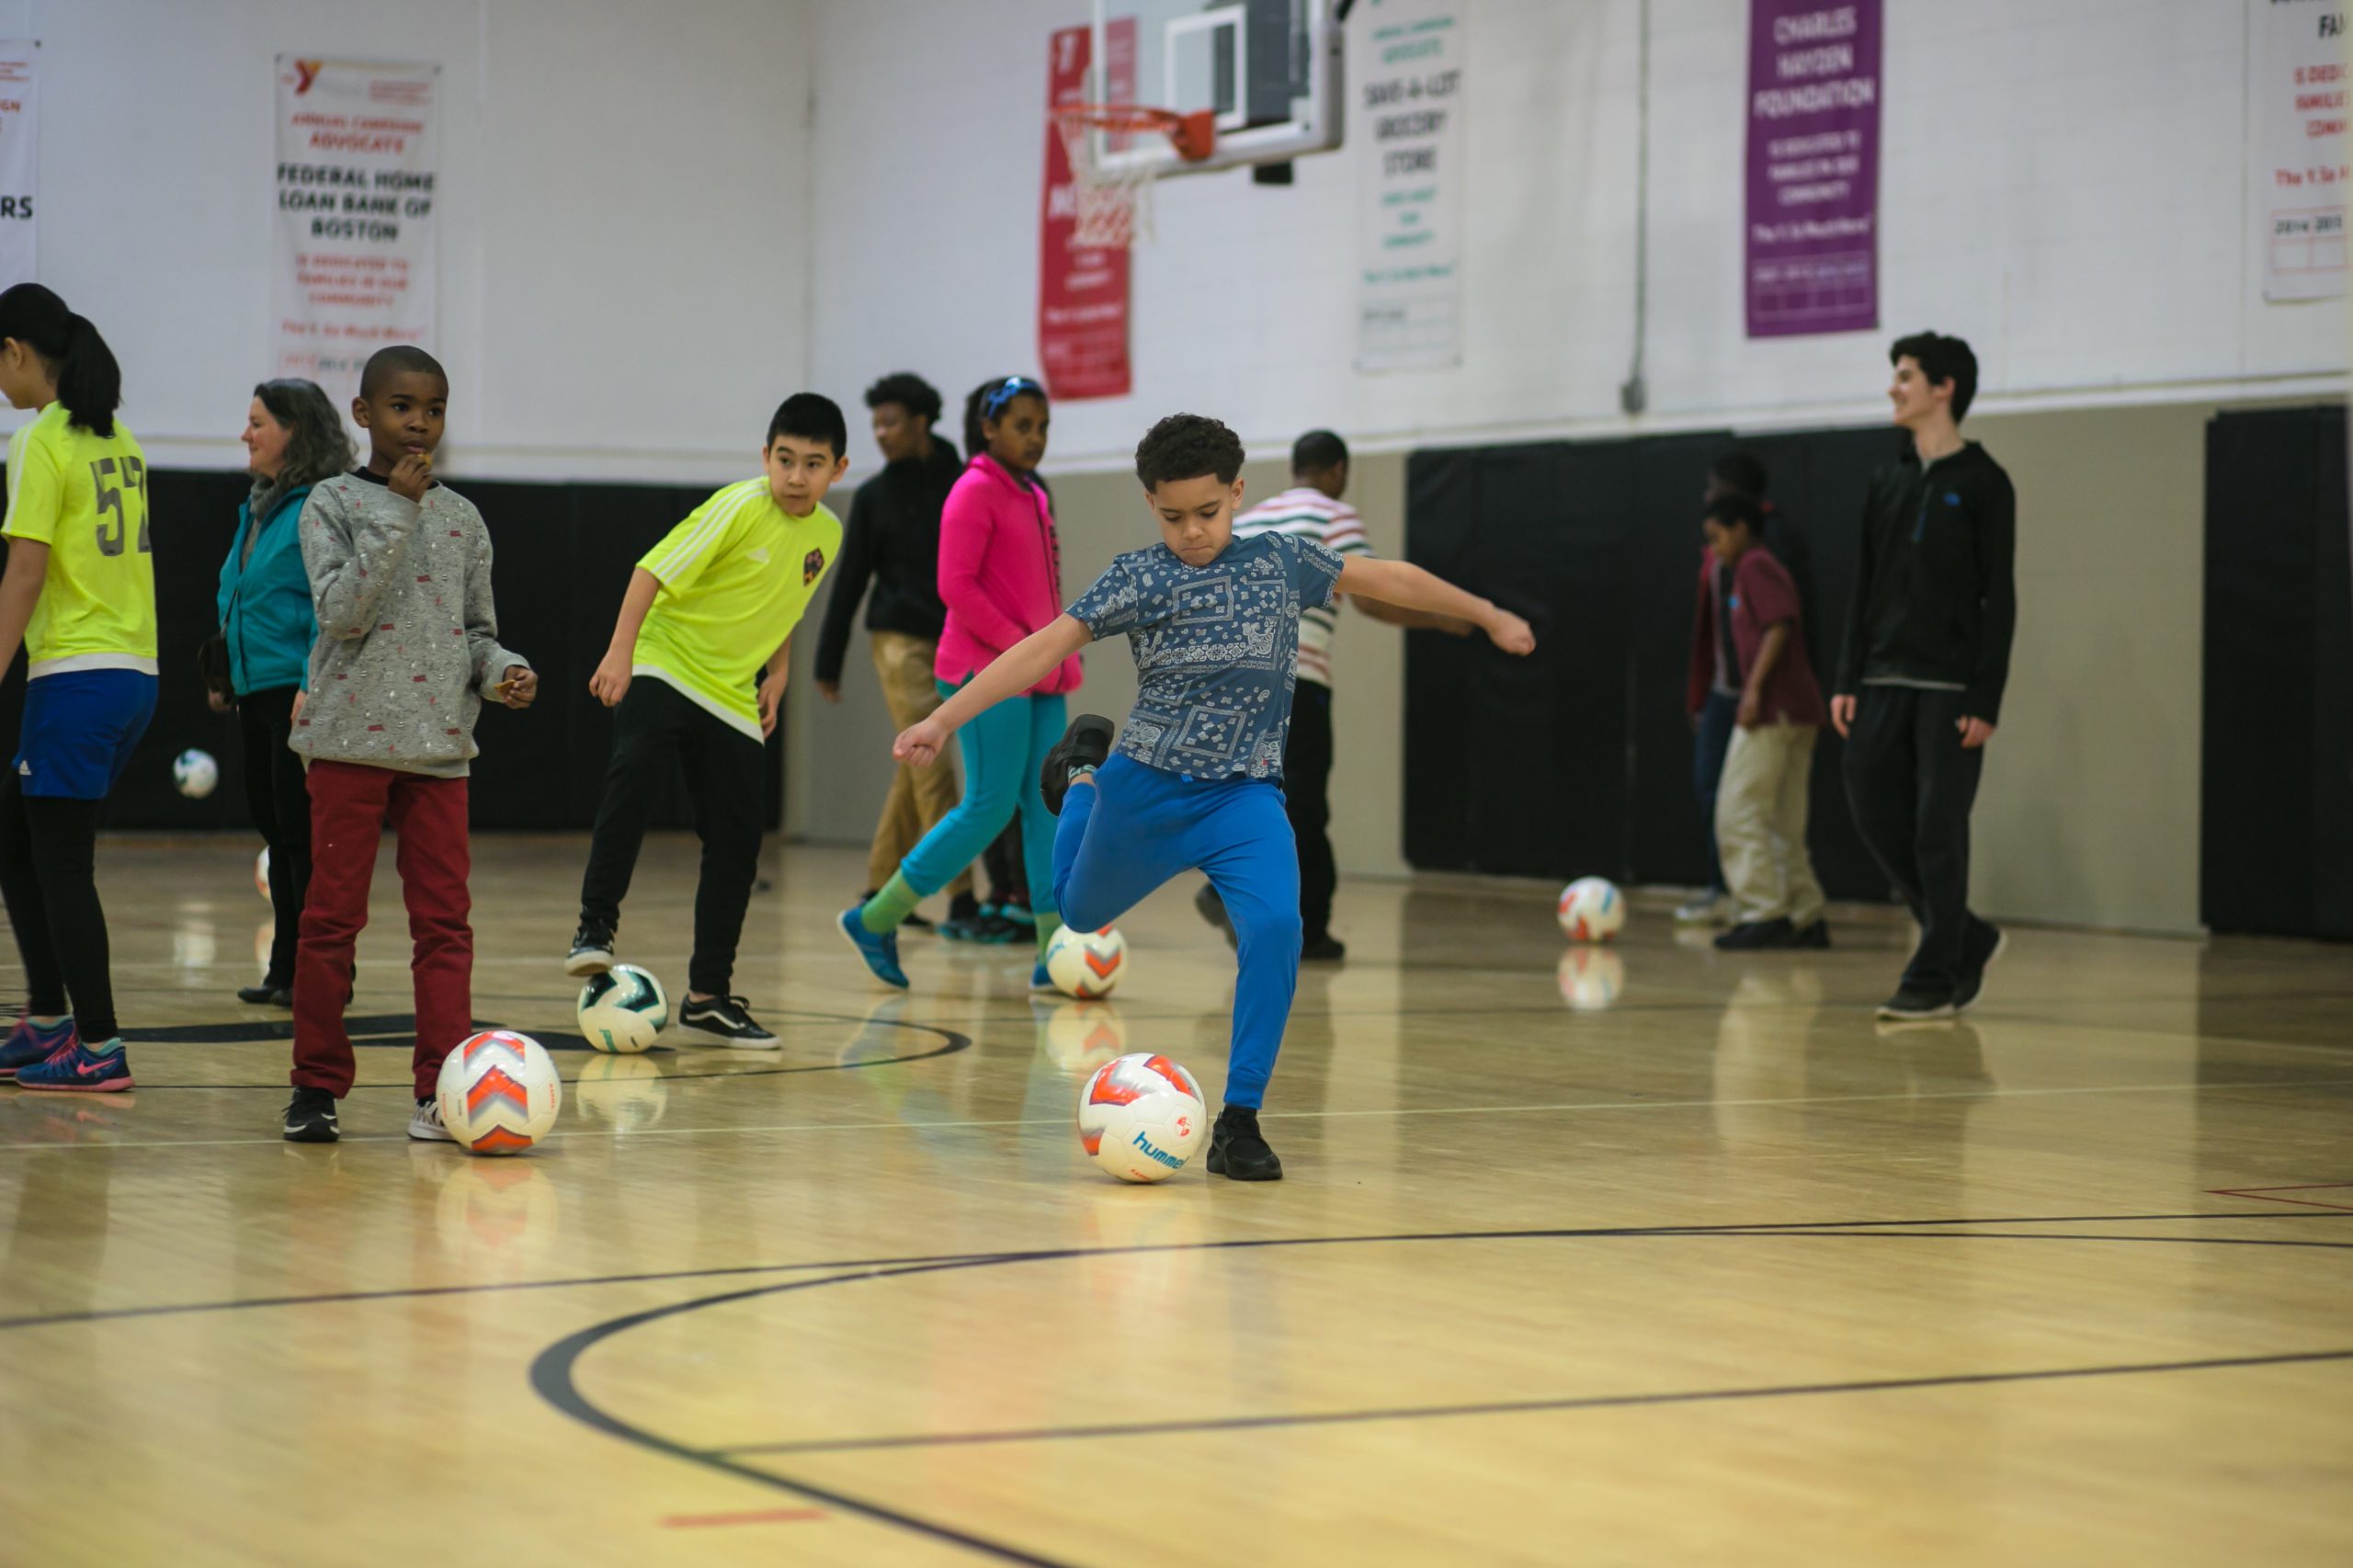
x=1271 y=71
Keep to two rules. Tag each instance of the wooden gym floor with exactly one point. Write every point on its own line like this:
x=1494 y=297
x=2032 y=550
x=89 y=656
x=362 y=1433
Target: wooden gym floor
x=1719 y=1273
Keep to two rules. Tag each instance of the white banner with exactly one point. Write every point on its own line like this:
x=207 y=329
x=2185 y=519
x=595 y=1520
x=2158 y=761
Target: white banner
x=2301 y=170
x=1407 y=129
x=19 y=158
x=357 y=151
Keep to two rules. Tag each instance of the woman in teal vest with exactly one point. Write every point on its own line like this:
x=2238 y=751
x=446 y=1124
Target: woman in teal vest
x=294 y=438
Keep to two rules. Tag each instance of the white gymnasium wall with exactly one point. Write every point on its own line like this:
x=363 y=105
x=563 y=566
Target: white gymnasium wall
x=2063 y=183
x=623 y=205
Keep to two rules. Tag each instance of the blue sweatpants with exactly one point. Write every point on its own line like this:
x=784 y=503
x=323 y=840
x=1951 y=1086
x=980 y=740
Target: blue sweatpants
x=1004 y=748
x=1138 y=827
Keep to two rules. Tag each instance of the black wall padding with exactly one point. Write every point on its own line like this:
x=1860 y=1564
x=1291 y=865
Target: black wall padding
x=2276 y=816
x=563 y=555
x=1578 y=759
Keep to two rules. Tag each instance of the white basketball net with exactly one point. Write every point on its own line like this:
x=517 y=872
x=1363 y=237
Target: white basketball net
x=1113 y=206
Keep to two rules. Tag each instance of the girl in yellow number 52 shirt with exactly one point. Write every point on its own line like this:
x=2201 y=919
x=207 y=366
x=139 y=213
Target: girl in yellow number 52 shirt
x=79 y=592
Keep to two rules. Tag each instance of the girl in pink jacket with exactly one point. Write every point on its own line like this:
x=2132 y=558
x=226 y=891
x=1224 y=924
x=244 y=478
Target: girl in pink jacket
x=1000 y=576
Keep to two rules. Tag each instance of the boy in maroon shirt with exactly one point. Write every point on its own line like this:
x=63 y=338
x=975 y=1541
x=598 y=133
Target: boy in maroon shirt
x=1761 y=802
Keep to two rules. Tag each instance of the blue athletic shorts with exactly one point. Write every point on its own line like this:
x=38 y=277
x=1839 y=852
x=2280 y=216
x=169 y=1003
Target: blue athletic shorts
x=80 y=728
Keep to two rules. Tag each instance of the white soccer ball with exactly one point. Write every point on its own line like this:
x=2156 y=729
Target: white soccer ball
x=195 y=774
x=1087 y=964
x=261 y=874
x=622 y=1010
x=1140 y=1117
x=1591 y=978
x=1592 y=910
x=499 y=1092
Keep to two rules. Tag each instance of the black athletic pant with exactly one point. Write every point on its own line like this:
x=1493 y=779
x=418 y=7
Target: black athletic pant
x=49 y=878
x=1911 y=786
x=278 y=797
x=725 y=782
x=1307 y=782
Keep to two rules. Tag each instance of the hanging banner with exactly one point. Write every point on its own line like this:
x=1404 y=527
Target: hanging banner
x=358 y=153
x=1407 y=125
x=1812 y=217
x=1082 y=290
x=19 y=158
x=2301 y=159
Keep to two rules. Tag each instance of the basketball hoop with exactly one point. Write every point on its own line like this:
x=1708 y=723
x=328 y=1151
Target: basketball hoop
x=1114 y=205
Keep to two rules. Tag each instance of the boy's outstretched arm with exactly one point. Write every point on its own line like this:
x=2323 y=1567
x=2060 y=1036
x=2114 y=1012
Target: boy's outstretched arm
x=1407 y=586
x=610 y=683
x=1017 y=669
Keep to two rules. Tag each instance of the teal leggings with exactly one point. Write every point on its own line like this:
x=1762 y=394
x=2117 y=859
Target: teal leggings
x=1005 y=747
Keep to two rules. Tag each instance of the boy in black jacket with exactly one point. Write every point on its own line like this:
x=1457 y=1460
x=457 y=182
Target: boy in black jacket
x=1928 y=651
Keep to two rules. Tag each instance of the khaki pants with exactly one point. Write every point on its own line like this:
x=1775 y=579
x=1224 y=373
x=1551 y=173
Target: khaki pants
x=919 y=796
x=1760 y=823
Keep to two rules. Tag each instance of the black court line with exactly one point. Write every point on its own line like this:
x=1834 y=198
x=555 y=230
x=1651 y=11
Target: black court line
x=551 y=1372
x=952 y=1042
x=1525 y=1406
x=1761 y=1227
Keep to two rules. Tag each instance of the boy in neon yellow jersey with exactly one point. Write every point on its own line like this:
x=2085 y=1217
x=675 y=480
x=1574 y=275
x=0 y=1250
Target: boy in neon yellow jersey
x=697 y=668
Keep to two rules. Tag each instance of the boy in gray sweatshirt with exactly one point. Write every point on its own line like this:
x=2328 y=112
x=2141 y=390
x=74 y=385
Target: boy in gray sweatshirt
x=407 y=649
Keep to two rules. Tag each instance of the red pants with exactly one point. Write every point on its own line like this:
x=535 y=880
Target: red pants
x=350 y=804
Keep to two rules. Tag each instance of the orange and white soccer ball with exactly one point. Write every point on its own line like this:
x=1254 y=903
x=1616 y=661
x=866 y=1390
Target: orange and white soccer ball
x=1087 y=964
x=1592 y=910
x=1140 y=1117
x=499 y=1092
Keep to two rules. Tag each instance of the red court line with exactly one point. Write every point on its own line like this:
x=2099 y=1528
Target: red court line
x=2265 y=1193
x=760 y=1516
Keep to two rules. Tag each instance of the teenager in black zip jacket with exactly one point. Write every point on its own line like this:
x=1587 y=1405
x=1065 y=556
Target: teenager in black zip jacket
x=1927 y=652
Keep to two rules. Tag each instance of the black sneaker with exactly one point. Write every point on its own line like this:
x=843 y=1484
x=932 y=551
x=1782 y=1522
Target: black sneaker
x=311 y=1118
x=1912 y=1004
x=1982 y=948
x=1757 y=936
x=1086 y=744
x=1237 y=1151
x=592 y=951
x=1326 y=949
x=726 y=1020
x=266 y=996
x=1816 y=935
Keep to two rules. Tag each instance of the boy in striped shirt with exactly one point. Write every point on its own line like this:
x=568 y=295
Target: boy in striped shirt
x=697 y=668
x=1311 y=510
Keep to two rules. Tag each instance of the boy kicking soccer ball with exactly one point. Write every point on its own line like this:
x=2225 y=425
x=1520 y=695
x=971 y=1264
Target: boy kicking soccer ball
x=1213 y=624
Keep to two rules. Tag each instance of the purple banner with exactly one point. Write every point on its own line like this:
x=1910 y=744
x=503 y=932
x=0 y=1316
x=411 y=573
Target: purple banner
x=1813 y=228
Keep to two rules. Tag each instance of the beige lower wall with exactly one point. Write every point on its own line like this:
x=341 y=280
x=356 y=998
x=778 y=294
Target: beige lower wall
x=2090 y=809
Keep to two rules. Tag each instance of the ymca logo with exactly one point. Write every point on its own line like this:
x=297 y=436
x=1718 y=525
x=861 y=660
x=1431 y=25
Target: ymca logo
x=812 y=566
x=305 y=73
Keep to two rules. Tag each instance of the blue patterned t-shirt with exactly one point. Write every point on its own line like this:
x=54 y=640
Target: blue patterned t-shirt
x=1216 y=650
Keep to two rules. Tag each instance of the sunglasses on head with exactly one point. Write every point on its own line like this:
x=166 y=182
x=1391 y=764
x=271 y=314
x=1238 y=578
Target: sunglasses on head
x=1006 y=391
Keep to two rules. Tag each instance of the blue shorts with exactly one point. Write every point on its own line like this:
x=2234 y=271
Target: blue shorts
x=80 y=728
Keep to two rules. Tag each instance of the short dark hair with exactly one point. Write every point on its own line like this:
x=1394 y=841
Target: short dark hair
x=317 y=446
x=1942 y=359
x=398 y=360
x=1732 y=507
x=907 y=390
x=1741 y=473
x=1187 y=446
x=810 y=416
x=1316 y=452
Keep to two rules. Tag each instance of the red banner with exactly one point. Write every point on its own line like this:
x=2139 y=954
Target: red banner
x=1081 y=292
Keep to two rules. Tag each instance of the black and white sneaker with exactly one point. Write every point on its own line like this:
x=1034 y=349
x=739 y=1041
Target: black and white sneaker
x=725 y=1020
x=1086 y=745
x=592 y=951
x=425 y=1123
x=311 y=1118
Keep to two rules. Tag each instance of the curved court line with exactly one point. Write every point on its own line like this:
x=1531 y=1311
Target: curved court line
x=953 y=1042
x=1761 y=1227
x=551 y=1372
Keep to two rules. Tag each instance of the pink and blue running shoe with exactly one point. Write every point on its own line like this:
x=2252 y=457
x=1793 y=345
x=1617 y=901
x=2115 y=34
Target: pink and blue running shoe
x=29 y=1044
x=81 y=1071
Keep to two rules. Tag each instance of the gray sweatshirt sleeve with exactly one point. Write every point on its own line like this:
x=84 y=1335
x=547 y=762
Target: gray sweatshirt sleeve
x=351 y=553
x=490 y=659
